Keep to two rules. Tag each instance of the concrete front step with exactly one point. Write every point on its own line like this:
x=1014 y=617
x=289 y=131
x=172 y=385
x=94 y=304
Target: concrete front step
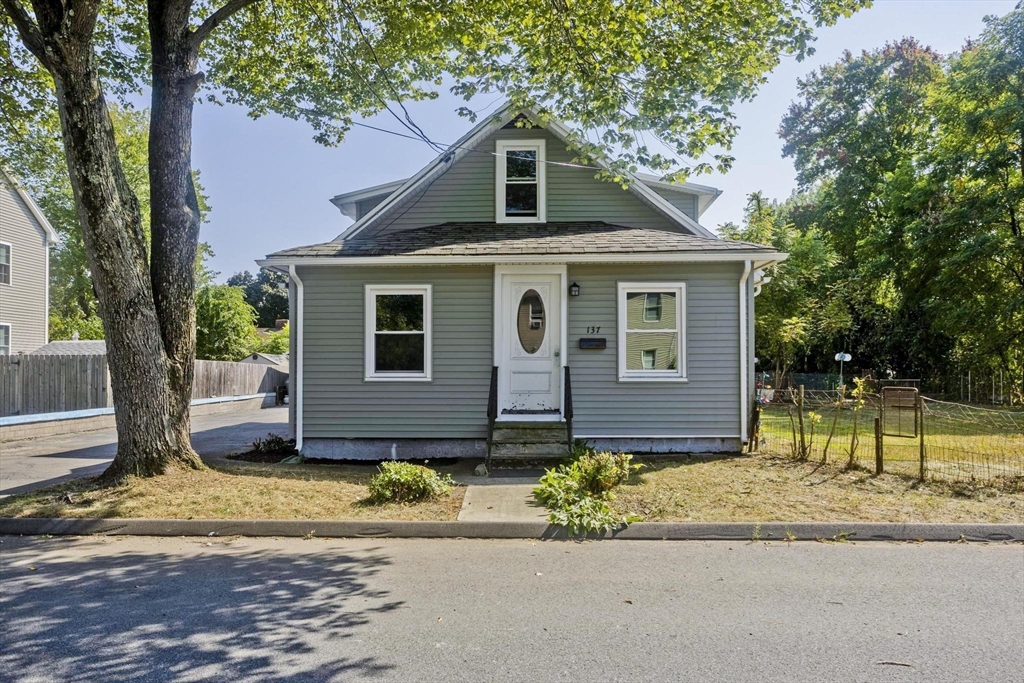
x=503 y=435
x=529 y=450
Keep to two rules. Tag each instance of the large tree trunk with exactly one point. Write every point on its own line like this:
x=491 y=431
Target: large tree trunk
x=144 y=381
x=174 y=215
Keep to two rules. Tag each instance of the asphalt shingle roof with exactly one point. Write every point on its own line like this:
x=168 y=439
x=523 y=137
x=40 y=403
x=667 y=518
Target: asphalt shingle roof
x=510 y=239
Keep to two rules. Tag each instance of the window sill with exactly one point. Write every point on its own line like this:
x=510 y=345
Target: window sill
x=398 y=379
x=652 y=378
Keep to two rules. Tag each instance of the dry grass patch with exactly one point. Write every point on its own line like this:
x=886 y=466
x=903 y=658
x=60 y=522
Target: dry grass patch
x=243 y=491
x=765 y=488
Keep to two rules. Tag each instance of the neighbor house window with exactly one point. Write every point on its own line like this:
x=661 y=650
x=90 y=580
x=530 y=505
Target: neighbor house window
x=652 y=331
x=5 y=264
x=519 y=193
x=5 y=339
x=398 y=337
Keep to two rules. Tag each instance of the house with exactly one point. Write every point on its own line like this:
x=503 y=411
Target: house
x=278 y=360
x=25 y=240
x=73 y=347
x=506 y=298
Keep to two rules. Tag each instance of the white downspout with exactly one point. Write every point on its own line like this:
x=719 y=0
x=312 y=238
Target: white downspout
x=743 y=351
x=299 y=326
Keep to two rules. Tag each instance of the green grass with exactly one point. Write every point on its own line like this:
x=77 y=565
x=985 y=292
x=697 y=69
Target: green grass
x=979 y=446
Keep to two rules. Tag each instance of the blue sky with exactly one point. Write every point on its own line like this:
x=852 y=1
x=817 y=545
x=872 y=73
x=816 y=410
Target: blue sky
x=269 y=182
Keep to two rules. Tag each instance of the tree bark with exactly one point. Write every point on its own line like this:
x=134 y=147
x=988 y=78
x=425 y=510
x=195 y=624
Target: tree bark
x=145 y=382
x=174 y=212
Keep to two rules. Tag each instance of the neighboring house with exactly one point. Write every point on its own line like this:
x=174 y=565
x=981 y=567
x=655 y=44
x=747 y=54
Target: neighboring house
x=504 y=281
x=278 y=360
x=73 y=347
x=25 y=240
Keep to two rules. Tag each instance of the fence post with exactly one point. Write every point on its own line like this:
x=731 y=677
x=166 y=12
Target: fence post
x=879 y=467
x=800 y=417
x=920 y=408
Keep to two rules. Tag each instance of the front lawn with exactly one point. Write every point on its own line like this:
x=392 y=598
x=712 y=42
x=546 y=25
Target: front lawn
x=233 y=491
x=766 y=488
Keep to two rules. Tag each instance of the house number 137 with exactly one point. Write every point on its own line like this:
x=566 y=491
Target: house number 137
x=594 y=330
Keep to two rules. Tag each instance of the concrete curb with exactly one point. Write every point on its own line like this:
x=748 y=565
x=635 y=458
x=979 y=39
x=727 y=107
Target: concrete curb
x=651 y=531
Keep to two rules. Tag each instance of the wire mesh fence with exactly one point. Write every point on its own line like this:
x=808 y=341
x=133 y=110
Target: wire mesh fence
x=922 y=438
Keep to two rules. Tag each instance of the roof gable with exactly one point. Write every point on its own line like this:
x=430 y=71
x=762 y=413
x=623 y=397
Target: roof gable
x=40 y=220
x=408 y=193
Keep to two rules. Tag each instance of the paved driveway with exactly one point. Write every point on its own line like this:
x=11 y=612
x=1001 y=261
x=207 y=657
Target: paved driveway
x=175 y=609
x=33 y=463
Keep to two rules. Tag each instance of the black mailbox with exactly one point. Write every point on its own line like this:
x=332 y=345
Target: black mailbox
x=593 y=343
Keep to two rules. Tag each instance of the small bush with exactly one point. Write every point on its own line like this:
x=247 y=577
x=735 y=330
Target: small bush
x=403 y=482
x=274 y=444
x=577 y=492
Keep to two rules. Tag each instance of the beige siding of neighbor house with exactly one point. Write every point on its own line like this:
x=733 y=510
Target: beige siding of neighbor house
x=707 y=404
x=466 y=193
x=23 y=302
x=338 y=403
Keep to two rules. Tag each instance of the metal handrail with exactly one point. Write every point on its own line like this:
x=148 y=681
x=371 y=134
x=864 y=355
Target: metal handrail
x=567 y=408
x=492 y=414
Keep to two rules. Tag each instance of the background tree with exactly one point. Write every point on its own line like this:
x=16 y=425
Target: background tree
x=267 y=292
x=224 y=323
x=674 y=68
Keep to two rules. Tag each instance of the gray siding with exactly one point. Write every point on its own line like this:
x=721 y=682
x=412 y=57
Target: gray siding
x=337 y=403
x=687 y=203
x=466 y=192
x=707 y=405
x=23 y=302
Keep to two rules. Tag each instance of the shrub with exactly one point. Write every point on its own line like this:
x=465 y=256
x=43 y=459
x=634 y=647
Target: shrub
x=403 y=482
x=577 y=492
x=274 y=444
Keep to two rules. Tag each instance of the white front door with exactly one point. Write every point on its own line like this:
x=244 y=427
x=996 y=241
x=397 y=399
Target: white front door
x=529 y=362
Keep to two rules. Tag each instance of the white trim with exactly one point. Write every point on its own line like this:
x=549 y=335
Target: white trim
x=300 y=326
x=10 y=264
x=346 y=201
x=678 y=375
x=501 y=149
x=743 y=350
x=10 y=335
x=371 y=291
x=763 y=258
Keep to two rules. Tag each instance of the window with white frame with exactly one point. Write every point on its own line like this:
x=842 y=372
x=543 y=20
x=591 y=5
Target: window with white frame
x=398 y=339
x=5 y=339
x=652 y=331
x=5 y=263
x=519 y=193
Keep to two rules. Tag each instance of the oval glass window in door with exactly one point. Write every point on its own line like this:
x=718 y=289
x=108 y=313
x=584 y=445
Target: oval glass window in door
x=531 y=321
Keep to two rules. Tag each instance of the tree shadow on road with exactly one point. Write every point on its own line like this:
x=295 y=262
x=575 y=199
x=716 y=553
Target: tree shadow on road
x=200 y=613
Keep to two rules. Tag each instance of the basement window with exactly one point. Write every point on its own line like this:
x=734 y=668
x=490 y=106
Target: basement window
x=520 y=187
x=398 y=334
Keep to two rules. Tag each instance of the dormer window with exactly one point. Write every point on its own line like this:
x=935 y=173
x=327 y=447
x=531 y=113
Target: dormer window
x=519 y=196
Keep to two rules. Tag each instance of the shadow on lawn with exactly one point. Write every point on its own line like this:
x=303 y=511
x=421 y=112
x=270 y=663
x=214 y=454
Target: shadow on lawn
x=124 y=616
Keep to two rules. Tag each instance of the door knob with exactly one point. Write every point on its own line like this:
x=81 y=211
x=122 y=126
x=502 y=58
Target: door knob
x=558 y=354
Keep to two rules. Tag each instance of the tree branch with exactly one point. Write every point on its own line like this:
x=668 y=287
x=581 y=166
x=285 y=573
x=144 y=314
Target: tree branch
x=217 y=18
x=30 y=34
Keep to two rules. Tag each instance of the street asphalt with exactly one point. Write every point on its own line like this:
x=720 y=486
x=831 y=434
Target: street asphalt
x=176 y=609
x=34 y=463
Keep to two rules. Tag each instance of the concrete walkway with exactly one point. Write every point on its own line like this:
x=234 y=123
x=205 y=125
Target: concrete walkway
x=501 y=503
x=35 y=463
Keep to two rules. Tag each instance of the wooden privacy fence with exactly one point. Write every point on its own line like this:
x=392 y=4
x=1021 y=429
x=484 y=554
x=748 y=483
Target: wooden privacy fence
x=52 y=384
x=31 y=384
